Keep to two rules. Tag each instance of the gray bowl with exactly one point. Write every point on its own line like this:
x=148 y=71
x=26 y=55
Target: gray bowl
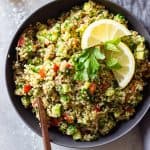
x=54 y=9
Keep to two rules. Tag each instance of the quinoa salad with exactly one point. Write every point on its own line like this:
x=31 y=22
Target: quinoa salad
x=83 y=100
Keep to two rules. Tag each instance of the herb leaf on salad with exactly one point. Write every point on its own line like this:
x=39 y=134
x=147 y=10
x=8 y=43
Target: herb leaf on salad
x=113 y=64
x=112 y=45
x=87 y=64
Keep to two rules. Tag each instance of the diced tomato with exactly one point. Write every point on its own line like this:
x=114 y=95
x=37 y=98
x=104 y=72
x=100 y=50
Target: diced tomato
x=21 y=41
x=55 y=67
x=97 y=108
x=68 y=66
x=42 y=73
x=127 y=97
x=104 y=86
x=27 y=88
x=68 y=118
x=92 y=88
x=133 y=88
x=54 y=122
x=129 y=109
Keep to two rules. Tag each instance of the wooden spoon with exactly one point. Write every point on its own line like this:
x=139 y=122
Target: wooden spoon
x=44 y=125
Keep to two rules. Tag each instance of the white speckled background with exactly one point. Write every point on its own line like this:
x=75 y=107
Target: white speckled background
x=14 y=134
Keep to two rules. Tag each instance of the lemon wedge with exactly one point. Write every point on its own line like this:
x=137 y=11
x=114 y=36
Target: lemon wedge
x=106 y=30
x=102 y=31
x=127 y=62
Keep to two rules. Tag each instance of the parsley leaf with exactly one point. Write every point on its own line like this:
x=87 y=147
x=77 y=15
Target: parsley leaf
x=113 y=63
x=98 y=54
x=115 y=41
x=87 y=64
x=112 y=45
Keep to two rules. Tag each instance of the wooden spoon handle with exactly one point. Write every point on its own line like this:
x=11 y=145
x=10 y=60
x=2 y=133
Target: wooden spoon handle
x=44 y=125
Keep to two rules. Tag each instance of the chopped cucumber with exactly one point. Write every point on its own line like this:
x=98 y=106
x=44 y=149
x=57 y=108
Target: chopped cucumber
x=64 y=99
x=42 y=36
x=110 y=92
x=140 y=55
x=86 y=85
x=77 y=136
x=56 y=110
x=35 y=69
x=63 y=127
x=71 y=130
x=65 y=88
x=117 y=114
x=25 y=101
x=87 y=6
x=53 y=37
x=119 y=16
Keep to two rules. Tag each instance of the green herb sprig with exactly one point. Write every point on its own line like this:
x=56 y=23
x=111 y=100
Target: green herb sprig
x=87 y=64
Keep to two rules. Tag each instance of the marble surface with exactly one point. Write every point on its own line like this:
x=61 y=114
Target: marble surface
x=14 y=134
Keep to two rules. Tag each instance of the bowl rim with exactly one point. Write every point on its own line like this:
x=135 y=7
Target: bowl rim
x=6 y=82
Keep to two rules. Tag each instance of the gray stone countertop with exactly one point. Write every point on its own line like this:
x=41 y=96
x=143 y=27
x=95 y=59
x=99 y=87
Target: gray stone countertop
x=14 y=134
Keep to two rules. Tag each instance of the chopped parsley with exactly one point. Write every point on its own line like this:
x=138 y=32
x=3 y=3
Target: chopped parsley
x=87 y=64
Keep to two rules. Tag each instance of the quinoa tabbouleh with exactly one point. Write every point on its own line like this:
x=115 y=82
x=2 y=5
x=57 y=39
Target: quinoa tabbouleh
x=82 y=100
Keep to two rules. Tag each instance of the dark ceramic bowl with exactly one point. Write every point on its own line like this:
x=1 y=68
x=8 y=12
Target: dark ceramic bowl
x=54 y=9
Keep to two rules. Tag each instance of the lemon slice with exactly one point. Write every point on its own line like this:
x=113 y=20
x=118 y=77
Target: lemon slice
x=127 y=62
x=102 y=31
x=106 y=30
